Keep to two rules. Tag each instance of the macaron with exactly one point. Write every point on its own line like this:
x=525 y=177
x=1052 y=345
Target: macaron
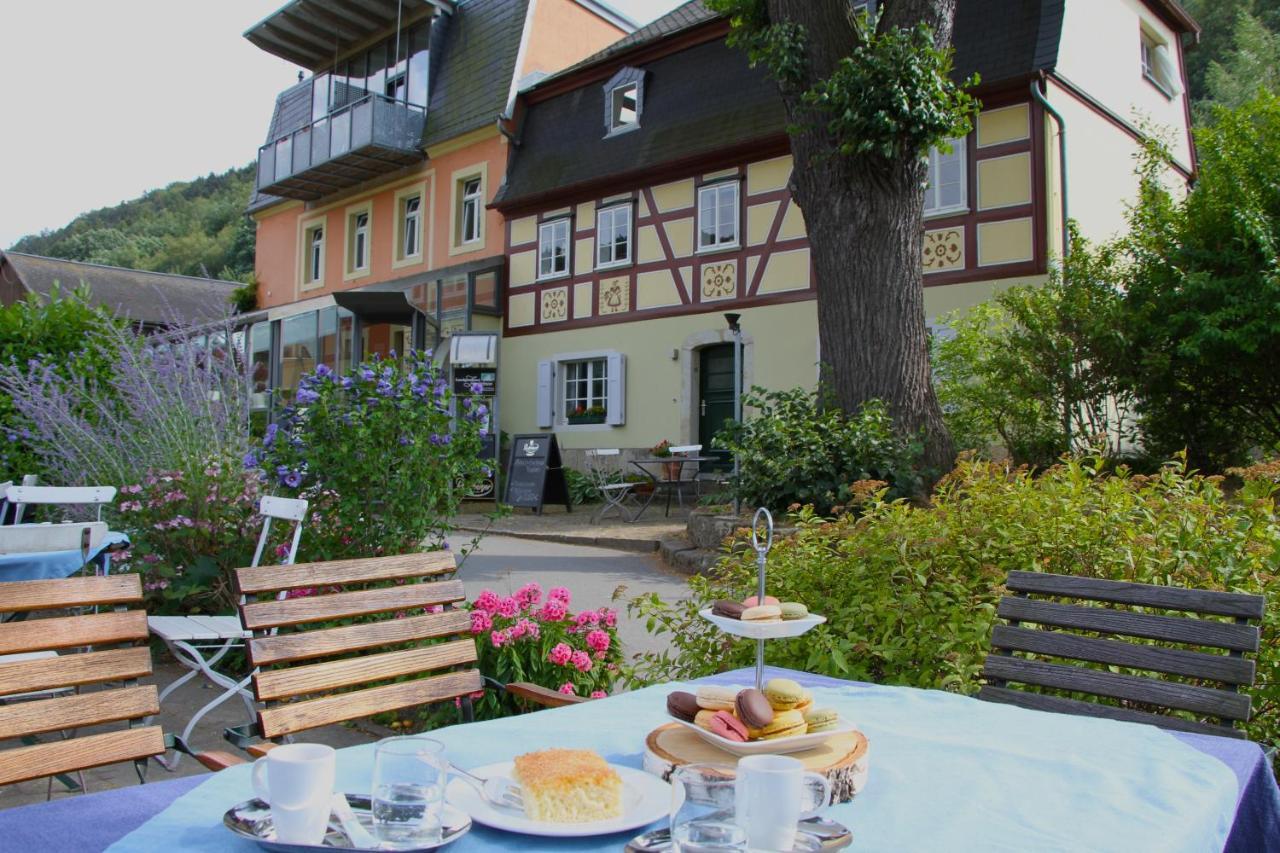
x=753 y=708
x=728 y=726
x=762 y=613
x=703 y=719
x=805 y=703
x=753 y=601
x=716 y=698
x=785 y=724
x=682 y=705
x=821 y=719
x=728 y=608
x=783 y=693
x=793 y=610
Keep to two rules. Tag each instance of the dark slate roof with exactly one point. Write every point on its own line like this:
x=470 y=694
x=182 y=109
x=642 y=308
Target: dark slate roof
x=147 y=297
x=686 y=112
x=472 y=66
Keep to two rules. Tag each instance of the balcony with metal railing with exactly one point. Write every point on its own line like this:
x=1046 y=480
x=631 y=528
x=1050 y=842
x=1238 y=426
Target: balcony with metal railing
x=371 y=136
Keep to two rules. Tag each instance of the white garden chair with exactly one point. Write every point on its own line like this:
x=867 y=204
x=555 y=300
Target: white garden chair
x=11 y=513
x=68 y=496
x=191 y=638
x=604 y=467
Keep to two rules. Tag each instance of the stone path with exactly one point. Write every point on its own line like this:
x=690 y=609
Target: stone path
x=577 y=528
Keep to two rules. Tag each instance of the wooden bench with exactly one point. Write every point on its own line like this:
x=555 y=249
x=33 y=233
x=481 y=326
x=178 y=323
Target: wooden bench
x=1206 y=658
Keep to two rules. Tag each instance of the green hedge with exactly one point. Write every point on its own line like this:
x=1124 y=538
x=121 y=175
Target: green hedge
x=910 y=592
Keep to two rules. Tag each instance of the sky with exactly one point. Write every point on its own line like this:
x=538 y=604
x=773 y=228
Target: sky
x=106 y=100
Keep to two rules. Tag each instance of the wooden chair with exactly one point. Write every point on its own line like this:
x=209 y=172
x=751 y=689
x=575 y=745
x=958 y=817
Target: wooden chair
x=112 y=647
x=1091 y=633
x=311 y=675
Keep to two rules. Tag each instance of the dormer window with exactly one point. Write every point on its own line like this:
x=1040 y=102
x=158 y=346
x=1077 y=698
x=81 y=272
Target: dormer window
x=623 y=101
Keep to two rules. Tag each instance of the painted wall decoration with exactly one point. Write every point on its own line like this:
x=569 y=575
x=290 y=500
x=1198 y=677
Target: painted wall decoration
x=555 y=304
x=719 y=281
x=944 y=250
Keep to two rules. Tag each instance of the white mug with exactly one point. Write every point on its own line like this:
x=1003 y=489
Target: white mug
x=296 y=780
x=772 y=794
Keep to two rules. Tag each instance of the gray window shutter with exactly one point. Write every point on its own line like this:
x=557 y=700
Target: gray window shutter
x=617 y=374
x=546 y=393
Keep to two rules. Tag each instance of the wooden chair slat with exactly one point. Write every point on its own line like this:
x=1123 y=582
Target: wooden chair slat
x=314 y=678
x=74 y=670
x=1168 y=694
x=299 y=716
x=1224 y=668
x=63 y=756
x=1063 y=705
x=543 y=696
x=318 y=608
x=66 y=632
x=1177 y=629
x=1138 y=594
x=338 y=572
x=76 y=711
x=21 y=596
x=283 y=648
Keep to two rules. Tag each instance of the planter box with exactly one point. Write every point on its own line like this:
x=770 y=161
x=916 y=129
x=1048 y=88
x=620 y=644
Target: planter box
x=575 y=420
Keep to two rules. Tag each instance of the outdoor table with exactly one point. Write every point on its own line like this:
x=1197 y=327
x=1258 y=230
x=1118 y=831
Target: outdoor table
x=52 y=565
x=946 y=773
x=666 y=483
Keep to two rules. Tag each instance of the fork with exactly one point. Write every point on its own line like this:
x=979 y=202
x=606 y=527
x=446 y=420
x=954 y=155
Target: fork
x=497 y=790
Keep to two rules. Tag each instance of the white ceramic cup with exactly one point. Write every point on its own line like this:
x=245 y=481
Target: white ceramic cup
x=773 y=793
x=297 y=781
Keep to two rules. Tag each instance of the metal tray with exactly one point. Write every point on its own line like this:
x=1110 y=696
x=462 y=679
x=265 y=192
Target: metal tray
x=252 y=820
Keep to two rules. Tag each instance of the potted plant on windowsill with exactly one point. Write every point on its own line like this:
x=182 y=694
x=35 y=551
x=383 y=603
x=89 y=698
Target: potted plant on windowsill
x=587 y=415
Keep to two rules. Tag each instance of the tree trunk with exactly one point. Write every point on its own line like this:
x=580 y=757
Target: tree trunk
x=865 y=223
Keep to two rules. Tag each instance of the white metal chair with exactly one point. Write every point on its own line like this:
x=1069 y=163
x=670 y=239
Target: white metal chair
x=190 y=638
x=604 y=467
x=85 y=536
x=11 y=513
x=692 y=472
x=95 y=496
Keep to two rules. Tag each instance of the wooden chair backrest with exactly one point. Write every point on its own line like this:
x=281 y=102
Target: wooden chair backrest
x=311 y=673
x=1203 y=651
x=95 y=648
x=83 y=536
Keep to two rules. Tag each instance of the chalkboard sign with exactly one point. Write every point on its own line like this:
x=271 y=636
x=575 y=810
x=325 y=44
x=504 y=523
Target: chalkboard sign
x=535 y=474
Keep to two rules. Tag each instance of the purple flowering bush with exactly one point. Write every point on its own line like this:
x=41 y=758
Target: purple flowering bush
x=526 y=637
x=379 y=454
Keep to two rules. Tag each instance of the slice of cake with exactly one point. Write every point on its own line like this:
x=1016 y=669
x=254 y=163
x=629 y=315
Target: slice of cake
x=568 y=786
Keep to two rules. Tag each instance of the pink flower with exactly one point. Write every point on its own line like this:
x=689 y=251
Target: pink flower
x=517 y=630
x=480 y=621
x=585 y=618
x=552 y=611
x=509 y=607
x=598 y=641
x=301 y=592
x=609 y=617
x=499 y=639
x=582 y=661
x=436 y=608
x=568 y=689
x=560 y=594
x=488 y=601
x=282 y=550
x=561 y=654
x=598 y=694
x=530 y=628
x=529 y=595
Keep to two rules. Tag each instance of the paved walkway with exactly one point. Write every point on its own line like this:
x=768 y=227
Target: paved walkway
x=576 y=528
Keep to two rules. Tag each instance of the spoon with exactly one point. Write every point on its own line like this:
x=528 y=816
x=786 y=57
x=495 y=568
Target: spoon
x=814 y=834
x=359 y=837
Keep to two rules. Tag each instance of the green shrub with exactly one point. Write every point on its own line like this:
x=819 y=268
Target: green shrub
x=910 y=592
x=798 y=449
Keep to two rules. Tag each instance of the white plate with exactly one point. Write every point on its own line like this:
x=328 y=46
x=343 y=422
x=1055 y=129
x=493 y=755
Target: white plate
x=763 y=630
x=776 y=746
x=645 y=799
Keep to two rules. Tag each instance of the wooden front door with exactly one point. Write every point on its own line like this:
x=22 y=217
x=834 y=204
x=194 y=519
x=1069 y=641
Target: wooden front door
x=715 y=399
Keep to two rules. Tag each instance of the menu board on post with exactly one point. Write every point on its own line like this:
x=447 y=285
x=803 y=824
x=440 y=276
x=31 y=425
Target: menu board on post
x=535 y=474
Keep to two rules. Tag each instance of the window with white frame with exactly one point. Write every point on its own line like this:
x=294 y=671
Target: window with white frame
x=315 y=254
x=613 y=236
x=553 y=248
x=358 y=251
x=1158 y=66
x=586 y=388
x=411 y=227
x=469 y=212
x=945 y=191
x=718 y=216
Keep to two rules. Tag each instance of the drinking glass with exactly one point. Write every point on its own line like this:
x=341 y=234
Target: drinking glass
x=702 y=810
x=409 y=777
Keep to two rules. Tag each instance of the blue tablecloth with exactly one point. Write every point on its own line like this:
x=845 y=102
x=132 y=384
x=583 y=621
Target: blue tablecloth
x=946 y=773
x=51 y=565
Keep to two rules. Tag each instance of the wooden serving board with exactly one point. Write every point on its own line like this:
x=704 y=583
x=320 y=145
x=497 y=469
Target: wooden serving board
x=842 y=758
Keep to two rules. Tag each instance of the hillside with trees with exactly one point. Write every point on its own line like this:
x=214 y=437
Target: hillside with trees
x=193 y=227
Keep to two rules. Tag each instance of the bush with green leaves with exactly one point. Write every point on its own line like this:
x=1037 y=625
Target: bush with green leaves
x=379 y=453
x=910 y=592
x=800 y=448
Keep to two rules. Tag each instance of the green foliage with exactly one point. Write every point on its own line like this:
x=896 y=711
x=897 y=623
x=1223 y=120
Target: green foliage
x=1219 y=19
x=378 y=453
x=1202 y=310
x=1252 y=64
x=910 y=592
x=801 y=449
x=1030 y=369
x=245 y=297
x=890 y=99
x=69 y=335
x=194 y=227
